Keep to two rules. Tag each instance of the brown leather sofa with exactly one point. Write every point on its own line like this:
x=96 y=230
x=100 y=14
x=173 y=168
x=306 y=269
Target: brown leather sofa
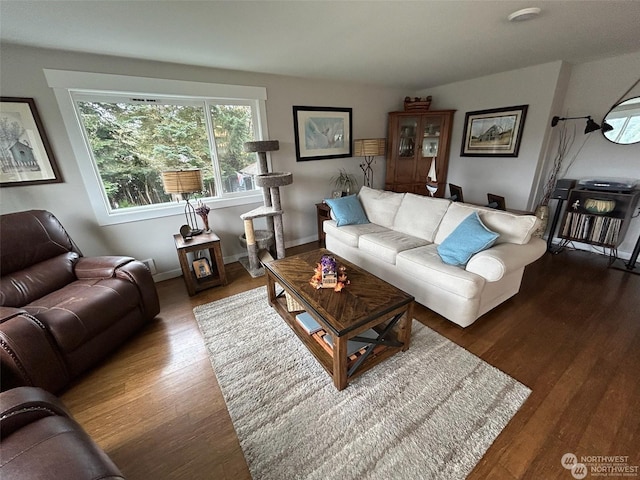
x=41 y=440
x=60 y=312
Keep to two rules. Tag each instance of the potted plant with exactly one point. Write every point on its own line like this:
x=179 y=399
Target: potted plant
x=344 y=183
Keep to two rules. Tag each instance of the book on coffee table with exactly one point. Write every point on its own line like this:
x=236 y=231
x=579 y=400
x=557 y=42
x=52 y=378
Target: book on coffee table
x=307 y=322
x=352 y=345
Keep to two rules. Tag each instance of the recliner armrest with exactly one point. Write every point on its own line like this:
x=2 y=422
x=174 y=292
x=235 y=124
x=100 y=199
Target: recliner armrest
x=126 y=268
x=28 y=355
x=24 y=405
x=99 y=267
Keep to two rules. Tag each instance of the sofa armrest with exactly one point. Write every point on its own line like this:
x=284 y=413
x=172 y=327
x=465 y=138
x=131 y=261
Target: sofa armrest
x=28 y=354
x=494 y=263
x=99 y=267
x=24 y=405
x=125 y=268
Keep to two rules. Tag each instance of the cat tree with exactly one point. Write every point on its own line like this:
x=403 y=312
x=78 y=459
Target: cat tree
x=271 y=209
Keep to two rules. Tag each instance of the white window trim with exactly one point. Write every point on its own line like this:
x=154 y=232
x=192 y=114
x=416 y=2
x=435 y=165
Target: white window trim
x=64 y=82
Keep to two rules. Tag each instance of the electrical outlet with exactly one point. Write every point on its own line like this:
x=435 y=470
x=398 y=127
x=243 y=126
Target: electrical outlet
x=151 y=265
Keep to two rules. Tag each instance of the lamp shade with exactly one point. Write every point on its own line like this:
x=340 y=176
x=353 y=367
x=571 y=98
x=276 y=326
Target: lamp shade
x=369 y=147
x=182 y=181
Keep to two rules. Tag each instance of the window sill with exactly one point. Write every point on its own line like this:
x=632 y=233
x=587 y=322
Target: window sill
x=168 y=210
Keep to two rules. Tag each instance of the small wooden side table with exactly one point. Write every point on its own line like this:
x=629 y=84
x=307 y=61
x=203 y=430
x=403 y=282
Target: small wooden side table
x=205 y=241
x=324 y=213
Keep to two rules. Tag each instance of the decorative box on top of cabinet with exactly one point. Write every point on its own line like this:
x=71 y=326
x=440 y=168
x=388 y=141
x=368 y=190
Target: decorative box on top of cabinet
x=415 y=140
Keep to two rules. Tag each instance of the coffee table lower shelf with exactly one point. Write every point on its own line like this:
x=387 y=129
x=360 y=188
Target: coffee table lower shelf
x=341 y=379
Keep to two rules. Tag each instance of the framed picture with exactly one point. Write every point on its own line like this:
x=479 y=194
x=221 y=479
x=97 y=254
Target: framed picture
x=26 y=157
x=322 y=132
x=496 y=201
x=202 y=268
x=493 y=133
x=456 y=193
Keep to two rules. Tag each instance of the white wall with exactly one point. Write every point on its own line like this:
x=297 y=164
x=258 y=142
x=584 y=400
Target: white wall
x=21 y=75
x=593 y=89
x=550 y=89
x=511 y=177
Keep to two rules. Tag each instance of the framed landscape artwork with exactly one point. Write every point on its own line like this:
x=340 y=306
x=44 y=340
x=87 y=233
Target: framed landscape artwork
x=322 y=132
x=493 y=133
x=26 y=157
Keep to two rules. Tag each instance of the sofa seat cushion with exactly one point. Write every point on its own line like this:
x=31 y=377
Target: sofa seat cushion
x=83 y=309
x=380 y=206
x=420 y=216
x=425 y=264
x=386 y=245
x=350 y=234
x=511 y=227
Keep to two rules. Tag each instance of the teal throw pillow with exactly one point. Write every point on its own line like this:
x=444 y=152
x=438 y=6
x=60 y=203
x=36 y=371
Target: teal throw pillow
x=469 y=238
x=347 y=210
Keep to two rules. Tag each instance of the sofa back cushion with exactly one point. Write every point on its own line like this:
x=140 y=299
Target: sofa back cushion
x=420 y=216
x=380 y=206
x=20 y=288
x=511 y=227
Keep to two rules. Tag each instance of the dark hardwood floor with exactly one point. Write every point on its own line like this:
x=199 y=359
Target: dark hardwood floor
x=572 y=335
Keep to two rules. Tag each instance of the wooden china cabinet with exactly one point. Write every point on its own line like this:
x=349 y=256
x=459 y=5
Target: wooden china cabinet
x=415 y=140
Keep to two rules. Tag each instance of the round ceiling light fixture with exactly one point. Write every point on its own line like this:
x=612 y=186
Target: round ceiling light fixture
x=524 y=14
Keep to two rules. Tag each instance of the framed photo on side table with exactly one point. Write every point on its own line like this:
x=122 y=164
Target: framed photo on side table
x=26 y=157
x=322 y=132
x=202 y=268
x=493 y=133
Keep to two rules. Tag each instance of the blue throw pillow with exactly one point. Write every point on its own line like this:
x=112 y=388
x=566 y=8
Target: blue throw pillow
x=469 y=238
x=347 y=210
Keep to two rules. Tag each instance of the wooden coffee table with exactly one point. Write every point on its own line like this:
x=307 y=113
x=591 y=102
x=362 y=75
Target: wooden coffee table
x=367 y=302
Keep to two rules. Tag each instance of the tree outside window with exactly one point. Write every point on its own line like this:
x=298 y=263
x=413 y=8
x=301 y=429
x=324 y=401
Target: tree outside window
x=133 y=140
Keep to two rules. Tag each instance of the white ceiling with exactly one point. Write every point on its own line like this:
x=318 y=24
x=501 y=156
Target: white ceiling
x=397 y=43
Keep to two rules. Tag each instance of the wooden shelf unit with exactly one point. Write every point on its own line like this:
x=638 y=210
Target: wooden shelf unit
x=599 y=229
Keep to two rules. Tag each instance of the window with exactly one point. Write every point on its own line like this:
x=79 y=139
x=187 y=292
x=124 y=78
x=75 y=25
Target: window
x=124 y=140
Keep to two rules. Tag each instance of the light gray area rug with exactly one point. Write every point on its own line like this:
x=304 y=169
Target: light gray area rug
x=428 y=413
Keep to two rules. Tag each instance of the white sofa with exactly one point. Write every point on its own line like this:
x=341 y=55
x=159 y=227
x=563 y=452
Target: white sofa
x=400 y=246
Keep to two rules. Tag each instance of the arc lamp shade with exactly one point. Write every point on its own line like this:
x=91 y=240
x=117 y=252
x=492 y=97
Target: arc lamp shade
x=369 y=147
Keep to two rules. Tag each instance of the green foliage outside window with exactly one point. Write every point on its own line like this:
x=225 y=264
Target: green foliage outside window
x=134 y=143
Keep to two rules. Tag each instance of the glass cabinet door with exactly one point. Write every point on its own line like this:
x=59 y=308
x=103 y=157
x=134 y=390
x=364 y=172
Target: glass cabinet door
x=431 y=129
x=408 y=127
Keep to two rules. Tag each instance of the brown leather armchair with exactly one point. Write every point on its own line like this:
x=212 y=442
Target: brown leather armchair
x=41 y=440
x=60 y=312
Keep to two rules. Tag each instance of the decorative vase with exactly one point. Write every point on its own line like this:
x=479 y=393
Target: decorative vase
x=542 y=212
x=205 y=221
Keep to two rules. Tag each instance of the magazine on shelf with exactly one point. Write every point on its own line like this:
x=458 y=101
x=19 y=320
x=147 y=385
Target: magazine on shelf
x=307 y=322
x=353 y=346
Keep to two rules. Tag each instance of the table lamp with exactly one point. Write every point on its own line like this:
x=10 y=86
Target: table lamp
x=184 y=182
